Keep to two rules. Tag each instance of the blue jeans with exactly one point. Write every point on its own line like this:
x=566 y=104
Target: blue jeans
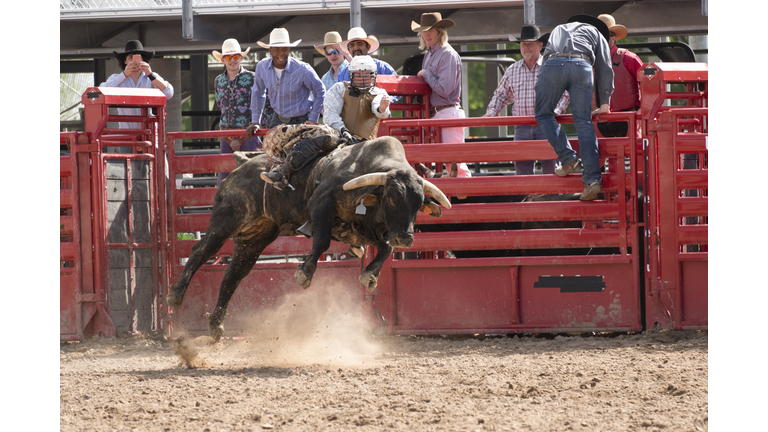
x=575 y=75
x=526 y=133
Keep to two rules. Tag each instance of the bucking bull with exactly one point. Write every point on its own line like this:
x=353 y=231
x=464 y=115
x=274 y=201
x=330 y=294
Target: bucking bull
x=364 y=194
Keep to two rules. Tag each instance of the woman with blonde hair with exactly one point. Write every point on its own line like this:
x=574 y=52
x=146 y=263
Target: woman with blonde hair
x=441 y=69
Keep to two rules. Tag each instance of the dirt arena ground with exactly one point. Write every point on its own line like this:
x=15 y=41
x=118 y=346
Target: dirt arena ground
x=285 y=374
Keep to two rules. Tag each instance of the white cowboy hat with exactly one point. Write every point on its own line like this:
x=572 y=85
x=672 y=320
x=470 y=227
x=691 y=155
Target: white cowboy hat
x=619 y=30
x=331 y=38
x=357 y=33
x=279 y=38
x=229 y=47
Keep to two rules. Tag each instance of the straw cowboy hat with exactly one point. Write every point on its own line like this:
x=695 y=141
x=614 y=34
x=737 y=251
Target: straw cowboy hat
x=531 y=33
x=279 y=38
x=357 y=33
x=589 y=19
x=134 y=47
x=429 y=20
x=619 y=30
x=331 y=38
x=229 y=47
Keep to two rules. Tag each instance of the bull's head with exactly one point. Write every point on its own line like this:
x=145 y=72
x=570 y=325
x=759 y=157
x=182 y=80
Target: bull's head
x=402 y=195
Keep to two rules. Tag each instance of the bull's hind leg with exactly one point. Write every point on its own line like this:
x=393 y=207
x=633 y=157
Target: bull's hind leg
x=247 y=248
x=218 y=233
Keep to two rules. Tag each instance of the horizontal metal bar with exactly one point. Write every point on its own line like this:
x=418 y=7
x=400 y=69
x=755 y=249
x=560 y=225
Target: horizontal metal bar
x=523 y=212
x=693 y=256
x=692 y=179
x=194 y=197
x=523 y=239
x=512 y=261
x=692 y=234
x=514 y=328
x=66 y=198
x=203 y=164
x=692 y=206
x=282 y=246
x=67 y=251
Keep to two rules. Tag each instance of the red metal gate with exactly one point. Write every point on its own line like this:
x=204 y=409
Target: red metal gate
x=111 y=223
x=677 y=154
x=534 y=293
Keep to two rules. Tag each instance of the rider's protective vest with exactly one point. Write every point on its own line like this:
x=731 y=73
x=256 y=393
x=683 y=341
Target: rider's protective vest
x=625 y=92
x=357 y=114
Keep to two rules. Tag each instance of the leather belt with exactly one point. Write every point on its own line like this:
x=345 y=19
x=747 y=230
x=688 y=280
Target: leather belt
x=437 y=108
x=570 y=55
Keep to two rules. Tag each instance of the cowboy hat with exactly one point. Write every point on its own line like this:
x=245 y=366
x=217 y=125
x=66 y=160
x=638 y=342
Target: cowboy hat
x=589 y=19
x=429 y=20
x=134 y=47
x=357 y=33
x=531 y=33
x=229 y=47
x=331 y=38
x=619 y=30
x=279 y=38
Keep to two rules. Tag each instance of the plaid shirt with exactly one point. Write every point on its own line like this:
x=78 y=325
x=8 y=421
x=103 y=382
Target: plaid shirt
x=517 y=87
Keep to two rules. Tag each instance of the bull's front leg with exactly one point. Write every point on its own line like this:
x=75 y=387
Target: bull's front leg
x=370 y=276
x=322 y=222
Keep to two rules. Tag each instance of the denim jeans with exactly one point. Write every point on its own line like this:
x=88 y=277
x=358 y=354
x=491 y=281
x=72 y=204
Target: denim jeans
x=526 y=133
x=575 y=75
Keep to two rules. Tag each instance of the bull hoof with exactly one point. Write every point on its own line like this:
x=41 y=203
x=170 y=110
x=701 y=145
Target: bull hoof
x=302 y=278
x=216 y=331
x=369 y=280
x=173 y=301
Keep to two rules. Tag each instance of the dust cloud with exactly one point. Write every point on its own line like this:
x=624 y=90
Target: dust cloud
x=322 y=325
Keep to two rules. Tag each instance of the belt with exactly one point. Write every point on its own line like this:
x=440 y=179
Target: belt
x=437 y=108
x=570 y=55
x=283 y=119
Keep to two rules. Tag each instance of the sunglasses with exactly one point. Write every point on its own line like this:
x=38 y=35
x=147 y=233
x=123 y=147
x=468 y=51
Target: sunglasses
x=232 y=57
x=331 y=51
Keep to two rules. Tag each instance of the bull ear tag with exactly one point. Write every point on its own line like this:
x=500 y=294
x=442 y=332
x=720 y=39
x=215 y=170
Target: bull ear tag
x=360 y=209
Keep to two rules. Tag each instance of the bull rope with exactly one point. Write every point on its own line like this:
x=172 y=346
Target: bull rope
x=273 y=161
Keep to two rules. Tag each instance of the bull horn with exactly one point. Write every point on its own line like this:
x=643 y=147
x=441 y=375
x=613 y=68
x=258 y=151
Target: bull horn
x=436 y=193
x=372 y=179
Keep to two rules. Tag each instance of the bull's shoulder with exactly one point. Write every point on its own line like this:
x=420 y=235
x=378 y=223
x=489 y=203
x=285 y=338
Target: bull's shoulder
x=244 y=157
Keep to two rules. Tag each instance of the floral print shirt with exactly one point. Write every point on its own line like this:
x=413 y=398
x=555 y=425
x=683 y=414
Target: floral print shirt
x=234 y=99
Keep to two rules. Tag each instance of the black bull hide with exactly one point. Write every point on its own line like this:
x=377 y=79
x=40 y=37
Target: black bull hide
x=328 y=191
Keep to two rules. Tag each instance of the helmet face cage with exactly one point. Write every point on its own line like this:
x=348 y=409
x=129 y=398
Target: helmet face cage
x=365 y=67
x=368 y=77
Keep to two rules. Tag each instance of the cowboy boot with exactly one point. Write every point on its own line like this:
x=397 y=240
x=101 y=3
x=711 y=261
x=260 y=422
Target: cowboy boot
x=301 y=154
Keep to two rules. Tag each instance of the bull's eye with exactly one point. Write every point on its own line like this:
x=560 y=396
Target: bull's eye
x=285 y=129
x=390 y=201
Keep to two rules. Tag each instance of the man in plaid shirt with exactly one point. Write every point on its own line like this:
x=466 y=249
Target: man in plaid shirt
x=516 y=87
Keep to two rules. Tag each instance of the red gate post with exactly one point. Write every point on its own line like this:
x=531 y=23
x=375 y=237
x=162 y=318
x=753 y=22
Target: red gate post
x=98 y=235
x=676 y=277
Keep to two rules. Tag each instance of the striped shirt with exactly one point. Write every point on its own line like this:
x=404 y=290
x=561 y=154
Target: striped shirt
x=290 y=94
x=516 y=86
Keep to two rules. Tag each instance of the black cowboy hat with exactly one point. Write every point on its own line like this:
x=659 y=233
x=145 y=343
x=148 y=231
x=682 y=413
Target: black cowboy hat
x=531 y=33
x=134 y=47
x=593 y=21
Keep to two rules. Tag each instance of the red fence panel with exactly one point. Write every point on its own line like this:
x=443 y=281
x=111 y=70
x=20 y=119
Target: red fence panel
x=677 y=158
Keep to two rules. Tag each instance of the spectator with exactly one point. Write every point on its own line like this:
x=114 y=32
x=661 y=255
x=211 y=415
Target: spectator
x=355 y=108
x=332 y=52
x=137 y=73
x=441 y=69
x=289 y=82
x=516 y=87
x=233 y=96
x=359 y=43
x=626 y=89
x=573 y=50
